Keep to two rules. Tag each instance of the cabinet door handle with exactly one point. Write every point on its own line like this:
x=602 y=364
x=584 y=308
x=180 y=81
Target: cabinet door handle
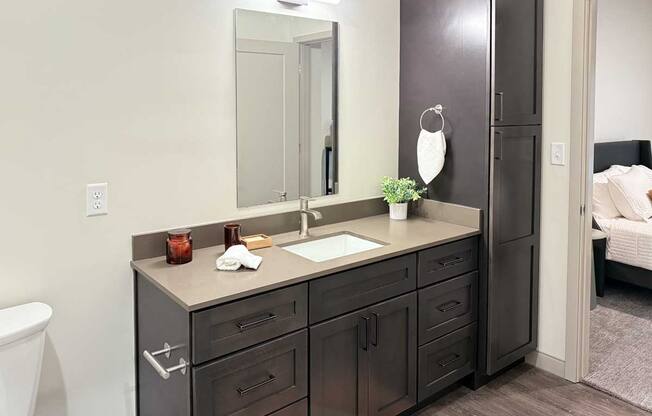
x=243 y=326
x=242 y=391
x=374 y=330
x=451 y=261
x=363 y=333
x=449 y=306
x=449 y=360
x=501 y=100
x=498 y=145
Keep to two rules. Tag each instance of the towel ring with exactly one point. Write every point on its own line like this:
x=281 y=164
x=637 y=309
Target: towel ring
x=439 y=110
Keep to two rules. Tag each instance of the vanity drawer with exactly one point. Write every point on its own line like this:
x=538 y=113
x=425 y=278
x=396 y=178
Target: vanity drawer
x=446 y=361
x=296 y=409
x=234 y=326
x=354 y=289
x=440 y=263
x=447 y=306
x=257 y=381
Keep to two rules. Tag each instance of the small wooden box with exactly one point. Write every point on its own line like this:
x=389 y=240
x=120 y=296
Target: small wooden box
x=256 y=241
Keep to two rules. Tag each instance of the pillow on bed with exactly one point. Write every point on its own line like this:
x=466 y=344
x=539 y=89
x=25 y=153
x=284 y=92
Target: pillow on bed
x=647 y=170
x=603 y=205
x=629 y=193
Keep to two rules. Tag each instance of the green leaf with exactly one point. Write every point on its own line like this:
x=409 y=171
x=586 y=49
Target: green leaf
x=398 y=191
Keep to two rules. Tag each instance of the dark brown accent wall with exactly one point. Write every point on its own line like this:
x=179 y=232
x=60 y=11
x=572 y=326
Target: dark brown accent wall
x=445 y=59
x=145 y=246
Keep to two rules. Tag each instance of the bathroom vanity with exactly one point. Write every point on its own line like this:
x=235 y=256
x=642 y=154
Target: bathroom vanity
x=372 y=333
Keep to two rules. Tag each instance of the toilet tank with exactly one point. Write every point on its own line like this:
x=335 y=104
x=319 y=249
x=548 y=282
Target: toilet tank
x=22 y=336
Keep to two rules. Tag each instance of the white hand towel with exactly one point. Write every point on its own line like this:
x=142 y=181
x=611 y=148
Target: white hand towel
x=431 y=154
x=236 y=257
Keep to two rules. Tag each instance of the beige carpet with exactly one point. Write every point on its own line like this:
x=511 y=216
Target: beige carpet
x=621 y=344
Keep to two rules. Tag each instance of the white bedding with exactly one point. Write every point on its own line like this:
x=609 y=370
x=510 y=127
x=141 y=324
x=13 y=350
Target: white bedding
x=628 y=242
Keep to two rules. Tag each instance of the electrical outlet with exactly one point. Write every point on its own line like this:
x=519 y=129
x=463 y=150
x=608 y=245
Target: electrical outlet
x=558 y=154
x=97 y=199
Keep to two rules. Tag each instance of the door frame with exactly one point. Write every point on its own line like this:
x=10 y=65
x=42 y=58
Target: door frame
x=578 y=301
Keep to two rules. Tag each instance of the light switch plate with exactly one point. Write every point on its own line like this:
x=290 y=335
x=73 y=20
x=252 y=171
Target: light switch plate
x=558 y=154
x=97 y=199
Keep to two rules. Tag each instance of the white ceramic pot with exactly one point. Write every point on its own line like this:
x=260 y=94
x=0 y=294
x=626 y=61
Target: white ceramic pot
x=398 y=211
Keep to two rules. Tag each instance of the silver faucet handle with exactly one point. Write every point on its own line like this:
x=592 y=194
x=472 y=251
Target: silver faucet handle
x=303 y=201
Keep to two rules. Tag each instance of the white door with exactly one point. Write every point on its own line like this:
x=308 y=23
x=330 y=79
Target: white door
x=268 y=121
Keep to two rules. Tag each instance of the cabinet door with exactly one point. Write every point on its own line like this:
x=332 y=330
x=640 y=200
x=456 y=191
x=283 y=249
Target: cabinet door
x=339 y=365
x=393 y=356
x=517 y=62
x=514 y=245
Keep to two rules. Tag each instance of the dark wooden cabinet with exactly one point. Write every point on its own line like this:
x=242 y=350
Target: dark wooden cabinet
x=232 y=327
x=517 y=61
x=500 y=86
x=446 y=360
x=443 y=262
x=393 y=356
x=338 y=362
x=514 y=250
x=362 y=356
x=364 y=286
x=257 y=381
x=364 y=363
x=448 y=306
x=299 y=408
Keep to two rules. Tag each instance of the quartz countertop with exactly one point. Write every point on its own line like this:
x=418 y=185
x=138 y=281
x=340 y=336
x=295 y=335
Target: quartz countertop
x=199 y=284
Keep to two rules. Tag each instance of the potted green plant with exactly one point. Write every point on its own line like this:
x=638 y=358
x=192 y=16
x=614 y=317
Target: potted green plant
x=398 y=192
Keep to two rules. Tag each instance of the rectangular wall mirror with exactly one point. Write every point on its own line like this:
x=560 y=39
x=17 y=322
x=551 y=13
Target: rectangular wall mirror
x=286 y=69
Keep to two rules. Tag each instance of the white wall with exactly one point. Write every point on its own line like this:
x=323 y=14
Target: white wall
x=558 y=35
x=263 y=26
x=141 y=94
x=624 y=70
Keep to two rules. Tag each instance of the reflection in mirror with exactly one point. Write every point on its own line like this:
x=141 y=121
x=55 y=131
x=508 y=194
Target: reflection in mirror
x=286 y=69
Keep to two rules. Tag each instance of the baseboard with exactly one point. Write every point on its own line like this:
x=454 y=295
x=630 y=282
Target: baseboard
x=547 y=363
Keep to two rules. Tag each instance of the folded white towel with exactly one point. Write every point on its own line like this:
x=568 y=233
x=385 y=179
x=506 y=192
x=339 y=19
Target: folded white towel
x=431 y=154
x=236 y=257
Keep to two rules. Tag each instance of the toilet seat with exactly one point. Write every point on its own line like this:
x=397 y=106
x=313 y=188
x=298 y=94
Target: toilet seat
x=22 y=321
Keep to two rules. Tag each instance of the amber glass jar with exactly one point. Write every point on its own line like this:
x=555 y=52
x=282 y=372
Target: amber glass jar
x=231 y=235
x=179 y=246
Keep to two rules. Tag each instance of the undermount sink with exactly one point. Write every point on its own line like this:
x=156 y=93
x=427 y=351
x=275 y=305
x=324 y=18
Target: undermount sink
x=331 y=247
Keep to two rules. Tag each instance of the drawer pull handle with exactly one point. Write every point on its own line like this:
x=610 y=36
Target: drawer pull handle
x=363 y=333
x=247 y=390
x=447 y=307
x=162 y=371
x=449 y=360
x=243 y=326
x=450 y=262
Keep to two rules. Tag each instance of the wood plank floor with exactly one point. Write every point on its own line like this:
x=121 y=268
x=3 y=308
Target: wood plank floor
x=527 y=391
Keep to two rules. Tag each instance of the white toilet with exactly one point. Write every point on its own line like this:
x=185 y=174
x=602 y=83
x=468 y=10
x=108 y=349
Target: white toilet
x=22 y=336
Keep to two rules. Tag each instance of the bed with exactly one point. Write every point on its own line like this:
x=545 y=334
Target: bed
x=629 y=252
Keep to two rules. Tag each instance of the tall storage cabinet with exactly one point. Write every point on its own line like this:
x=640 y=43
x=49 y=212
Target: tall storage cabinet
x=514 y=181
x=494 y=115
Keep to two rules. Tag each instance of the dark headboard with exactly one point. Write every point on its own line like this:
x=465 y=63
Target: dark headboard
x=628 y=153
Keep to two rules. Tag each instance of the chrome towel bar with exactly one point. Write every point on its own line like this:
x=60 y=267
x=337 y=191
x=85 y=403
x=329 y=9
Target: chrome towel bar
x=160 y=369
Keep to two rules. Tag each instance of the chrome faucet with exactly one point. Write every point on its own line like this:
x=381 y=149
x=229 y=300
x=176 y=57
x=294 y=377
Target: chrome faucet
x=303 y=212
